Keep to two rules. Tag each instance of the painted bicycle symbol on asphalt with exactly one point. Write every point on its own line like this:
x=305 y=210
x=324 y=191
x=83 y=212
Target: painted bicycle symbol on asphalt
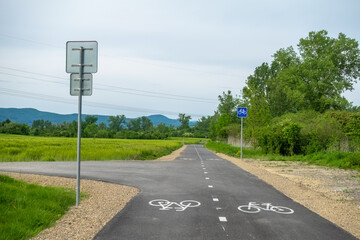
x=254 y=207
x=167 y=205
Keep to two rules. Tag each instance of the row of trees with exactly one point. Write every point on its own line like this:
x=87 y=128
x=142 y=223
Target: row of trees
x=295 y=103
x=117 y=127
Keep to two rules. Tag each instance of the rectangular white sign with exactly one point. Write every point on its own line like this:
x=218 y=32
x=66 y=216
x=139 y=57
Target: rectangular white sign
x=90 y=59
x=75 y=84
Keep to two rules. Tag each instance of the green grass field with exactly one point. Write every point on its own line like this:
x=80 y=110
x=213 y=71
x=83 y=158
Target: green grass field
x=26 y=209
x=29 y=148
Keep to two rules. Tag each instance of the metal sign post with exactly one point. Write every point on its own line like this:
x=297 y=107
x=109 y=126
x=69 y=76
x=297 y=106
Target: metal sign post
x=81 y=61
x=241 y=113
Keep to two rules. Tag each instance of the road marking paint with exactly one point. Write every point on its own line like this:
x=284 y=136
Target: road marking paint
x=198 y=154
x=222 y=219
x=210 y=186
x=167 y=205
x=218 y=208
x=215 y=199
x=254 y=207
x=207 y=178
x=205 y=172
x=223 y=229
x=204 y=168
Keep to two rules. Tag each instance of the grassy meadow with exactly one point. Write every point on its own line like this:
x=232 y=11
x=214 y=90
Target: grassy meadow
x=30 y=148
x=27 y=209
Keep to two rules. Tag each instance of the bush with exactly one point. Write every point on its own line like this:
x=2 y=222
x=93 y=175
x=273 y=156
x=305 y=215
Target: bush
x=14 y=128
x=321 y=133
x=301 y=133
x=283 y=138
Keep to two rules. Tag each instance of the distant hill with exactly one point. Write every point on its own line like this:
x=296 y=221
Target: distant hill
x=28 y=115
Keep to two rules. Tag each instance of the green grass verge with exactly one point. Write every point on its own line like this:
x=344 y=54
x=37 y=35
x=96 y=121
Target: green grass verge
x=29 y=148
x=233 y=151
x=188 y=140
x=26 y=209
x=344 y=160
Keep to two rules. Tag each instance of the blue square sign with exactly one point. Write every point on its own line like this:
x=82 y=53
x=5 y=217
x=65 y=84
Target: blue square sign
x=242 y=112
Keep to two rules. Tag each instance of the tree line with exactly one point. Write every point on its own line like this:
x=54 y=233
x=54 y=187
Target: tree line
x=117 y=127
x=295 y=103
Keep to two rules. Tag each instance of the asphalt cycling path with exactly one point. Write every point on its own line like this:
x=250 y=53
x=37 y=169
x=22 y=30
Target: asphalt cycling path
x=196 y=196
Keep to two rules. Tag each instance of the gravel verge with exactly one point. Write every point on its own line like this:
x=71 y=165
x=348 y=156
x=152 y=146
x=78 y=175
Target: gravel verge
x=171 y=156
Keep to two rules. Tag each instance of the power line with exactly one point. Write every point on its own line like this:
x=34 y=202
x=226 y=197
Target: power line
x=35 y=73
x=30 y=95
x=37 y=79
x=28 y=40
x=154 y=94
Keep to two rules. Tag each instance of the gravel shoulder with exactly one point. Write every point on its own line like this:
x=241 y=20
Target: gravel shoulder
x=334 y=194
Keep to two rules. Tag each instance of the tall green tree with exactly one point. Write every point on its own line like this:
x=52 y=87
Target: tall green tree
x=116 y=122
x=221 y=125
x=314 y=79
x=329 y=67
x=184 y=121
x=146 y=124
x=90 y=119
x=202 y=127
x=228 y=105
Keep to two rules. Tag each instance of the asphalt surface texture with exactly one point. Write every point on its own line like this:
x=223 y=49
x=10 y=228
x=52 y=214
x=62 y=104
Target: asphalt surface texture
x=196 y=196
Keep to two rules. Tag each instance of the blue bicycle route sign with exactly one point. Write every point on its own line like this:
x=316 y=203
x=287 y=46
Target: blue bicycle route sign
x=242 y=112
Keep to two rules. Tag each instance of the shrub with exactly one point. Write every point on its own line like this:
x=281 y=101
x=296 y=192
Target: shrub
x=309 y=132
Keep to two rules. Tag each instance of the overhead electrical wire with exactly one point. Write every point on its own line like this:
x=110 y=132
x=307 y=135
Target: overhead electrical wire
x=25 y=94
x=154 y=94
x=117 y=89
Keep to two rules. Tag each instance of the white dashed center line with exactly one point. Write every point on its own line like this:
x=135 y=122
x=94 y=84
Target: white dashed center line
x=215 y=199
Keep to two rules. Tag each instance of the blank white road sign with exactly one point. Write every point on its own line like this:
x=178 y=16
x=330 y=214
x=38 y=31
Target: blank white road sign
x=90 y=60
x=75 y=84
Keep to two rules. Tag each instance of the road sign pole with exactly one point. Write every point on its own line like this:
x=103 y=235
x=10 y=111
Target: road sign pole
x=241 y=141
x=81 y=65
x=79 y=126
x=241 y=113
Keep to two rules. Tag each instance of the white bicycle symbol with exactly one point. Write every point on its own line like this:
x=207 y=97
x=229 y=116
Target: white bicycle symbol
x=167 y=205
x=254 y=207
x=242 y=111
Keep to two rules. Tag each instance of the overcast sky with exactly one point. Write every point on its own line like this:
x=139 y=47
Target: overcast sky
x=155 y=57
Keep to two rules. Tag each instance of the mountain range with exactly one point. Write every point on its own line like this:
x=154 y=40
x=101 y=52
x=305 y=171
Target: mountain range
x=28 y=115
